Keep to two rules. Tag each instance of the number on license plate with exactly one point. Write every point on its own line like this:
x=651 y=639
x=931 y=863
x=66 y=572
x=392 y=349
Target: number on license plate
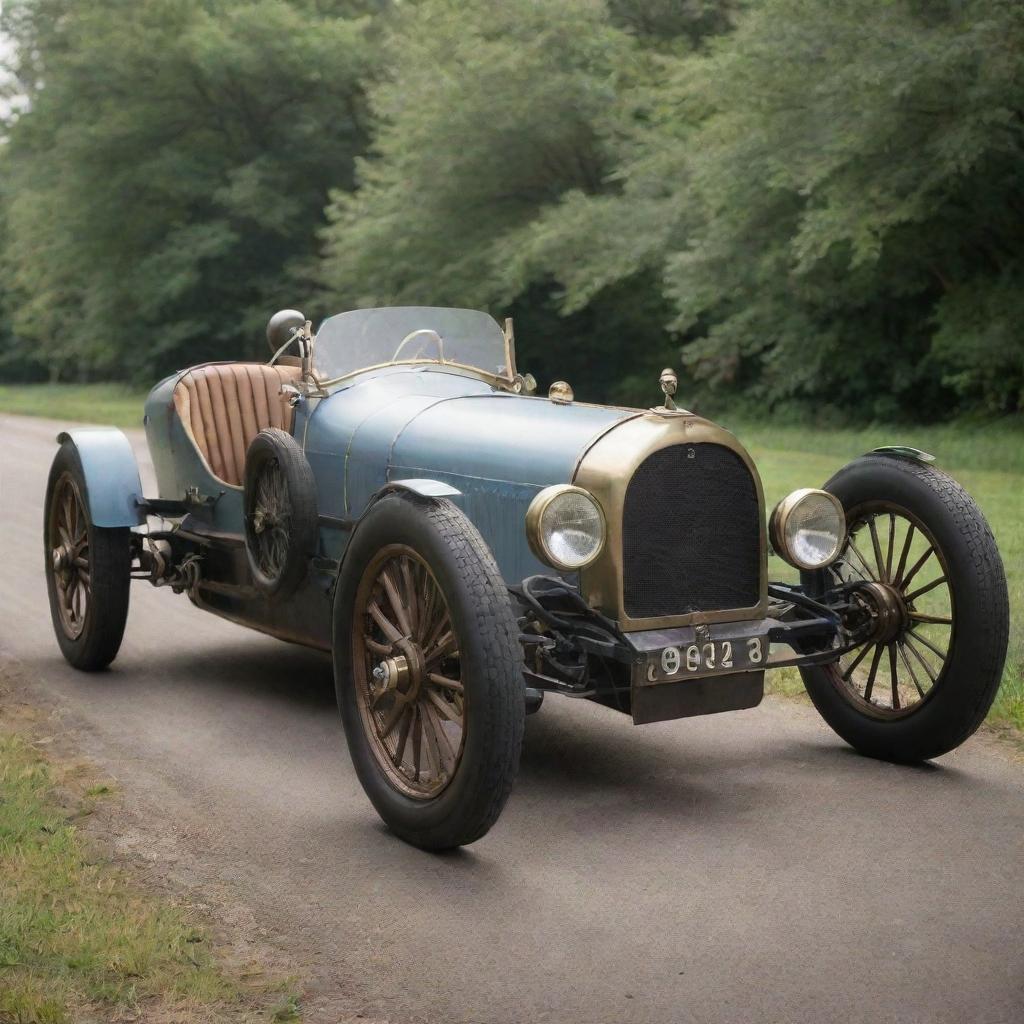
x=706 y=658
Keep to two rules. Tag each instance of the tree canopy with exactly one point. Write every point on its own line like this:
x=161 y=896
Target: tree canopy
x=801 y=203
x=162 y=191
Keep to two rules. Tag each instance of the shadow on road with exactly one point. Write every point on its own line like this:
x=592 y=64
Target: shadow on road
x=574 y=747
x=285 y=673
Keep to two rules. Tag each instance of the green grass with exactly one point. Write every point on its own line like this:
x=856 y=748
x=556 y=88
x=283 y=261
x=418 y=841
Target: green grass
x=988 y=459
x=86 y=403
x=79 y=938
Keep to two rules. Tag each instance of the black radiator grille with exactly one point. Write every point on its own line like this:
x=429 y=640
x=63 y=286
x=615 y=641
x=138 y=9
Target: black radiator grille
x=690 y=533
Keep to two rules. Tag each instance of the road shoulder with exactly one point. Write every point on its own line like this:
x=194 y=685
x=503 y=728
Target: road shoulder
x=93 y=930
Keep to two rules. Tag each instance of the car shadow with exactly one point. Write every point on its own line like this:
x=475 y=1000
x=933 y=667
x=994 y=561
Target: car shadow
x=576 y=753
x=281 y=672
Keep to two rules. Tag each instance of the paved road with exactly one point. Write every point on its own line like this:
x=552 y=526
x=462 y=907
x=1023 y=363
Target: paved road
x=739 y=868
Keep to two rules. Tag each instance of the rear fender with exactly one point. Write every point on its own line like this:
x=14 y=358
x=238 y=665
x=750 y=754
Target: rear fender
x=113 y=489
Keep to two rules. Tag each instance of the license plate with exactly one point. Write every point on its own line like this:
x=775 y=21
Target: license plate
x=708 y=658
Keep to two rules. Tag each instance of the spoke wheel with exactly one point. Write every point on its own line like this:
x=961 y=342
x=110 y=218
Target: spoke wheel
x=926 y=571
x=408 y=673
x=281 y=522
x=69 y=556
x=907 y=584
x=271 y=519
x=88 y=569
x=428 y=671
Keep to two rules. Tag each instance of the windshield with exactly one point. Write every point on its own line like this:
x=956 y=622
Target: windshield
x=362 y=338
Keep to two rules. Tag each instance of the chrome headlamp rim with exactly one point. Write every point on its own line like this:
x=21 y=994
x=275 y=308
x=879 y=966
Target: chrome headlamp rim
x=535 y=518
x=779 y=520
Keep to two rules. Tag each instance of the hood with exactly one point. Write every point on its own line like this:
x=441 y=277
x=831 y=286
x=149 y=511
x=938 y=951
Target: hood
x=406 y=423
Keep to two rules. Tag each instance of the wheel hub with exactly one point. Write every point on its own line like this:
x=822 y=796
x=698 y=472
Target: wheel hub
x=886 y=610
x=394 y=674
x=265 y=519
x=62 y=559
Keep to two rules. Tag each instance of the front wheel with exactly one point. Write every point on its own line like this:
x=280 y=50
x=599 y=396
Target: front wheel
x=88 y=569
x=428 y=672
x=922 y=557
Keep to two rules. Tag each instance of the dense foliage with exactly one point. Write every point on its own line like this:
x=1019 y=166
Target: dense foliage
x=163 y=190
x=802 y=203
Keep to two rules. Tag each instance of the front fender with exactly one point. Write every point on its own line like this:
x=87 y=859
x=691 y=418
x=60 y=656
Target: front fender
x=902 y=451
x=425 y=488
x=113 y=488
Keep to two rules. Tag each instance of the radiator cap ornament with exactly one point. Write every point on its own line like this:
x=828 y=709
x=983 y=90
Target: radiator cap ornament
x=669 y=383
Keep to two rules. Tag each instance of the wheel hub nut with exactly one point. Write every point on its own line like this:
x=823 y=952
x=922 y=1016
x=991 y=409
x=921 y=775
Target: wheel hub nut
x=393 y=673
x=887 y=609
x=61 y=558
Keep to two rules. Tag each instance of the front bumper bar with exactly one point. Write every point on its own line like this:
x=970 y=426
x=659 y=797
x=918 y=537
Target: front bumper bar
x=688 y=670
x=706 y=669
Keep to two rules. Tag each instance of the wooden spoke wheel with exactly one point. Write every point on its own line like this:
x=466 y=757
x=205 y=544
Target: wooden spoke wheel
x=928 y=576
x=908 y=595
x=408 y=674
x=69 y=557
x=428 y=670
x=88 y=569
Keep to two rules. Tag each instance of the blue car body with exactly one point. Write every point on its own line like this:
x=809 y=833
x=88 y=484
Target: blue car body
x=492 y=450
x=450 y=419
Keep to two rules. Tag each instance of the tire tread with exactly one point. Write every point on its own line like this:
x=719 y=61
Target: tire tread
x=990 y=579
x=496 y=627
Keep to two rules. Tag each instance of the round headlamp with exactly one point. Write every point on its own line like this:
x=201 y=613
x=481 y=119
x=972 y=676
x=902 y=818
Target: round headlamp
x=808 y=528
x=565 y=527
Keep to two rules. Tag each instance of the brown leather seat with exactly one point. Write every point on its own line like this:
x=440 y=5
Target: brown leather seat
x=223 y=406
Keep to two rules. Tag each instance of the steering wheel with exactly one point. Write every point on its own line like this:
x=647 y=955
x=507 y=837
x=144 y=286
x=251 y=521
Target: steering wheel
x=427 y=335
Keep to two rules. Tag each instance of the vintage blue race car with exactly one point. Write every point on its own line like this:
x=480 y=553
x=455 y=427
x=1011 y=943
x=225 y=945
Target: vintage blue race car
x=392 y=491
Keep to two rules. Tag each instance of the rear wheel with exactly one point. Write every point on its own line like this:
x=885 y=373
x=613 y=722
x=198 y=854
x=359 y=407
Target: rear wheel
x=88 y=570
x=428 y=672
x=926 y=568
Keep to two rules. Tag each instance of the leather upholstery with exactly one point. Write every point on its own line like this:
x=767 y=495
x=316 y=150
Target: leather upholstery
x=223 y=406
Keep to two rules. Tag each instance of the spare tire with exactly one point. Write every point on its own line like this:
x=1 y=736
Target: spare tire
x=280 y=512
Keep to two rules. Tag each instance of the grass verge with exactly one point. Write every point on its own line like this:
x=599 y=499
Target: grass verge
x=112 y=404
x=81 y=939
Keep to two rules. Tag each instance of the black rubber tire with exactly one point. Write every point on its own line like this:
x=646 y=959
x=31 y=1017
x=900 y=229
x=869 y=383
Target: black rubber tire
x=302 y=528
x=968 y=685
x=488 y=638
x=110 y=563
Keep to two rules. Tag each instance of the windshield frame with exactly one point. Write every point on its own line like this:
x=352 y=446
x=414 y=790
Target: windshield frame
x=507 y=380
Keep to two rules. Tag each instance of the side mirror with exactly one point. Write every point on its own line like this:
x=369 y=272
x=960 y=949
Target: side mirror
x=283 y=326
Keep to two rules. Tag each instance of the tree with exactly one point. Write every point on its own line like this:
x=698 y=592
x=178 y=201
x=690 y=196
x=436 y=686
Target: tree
x=863 y=159
x=489 y=115
x=832 y=195
x=807 y=202
x=166 y=181
x=663 y=23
